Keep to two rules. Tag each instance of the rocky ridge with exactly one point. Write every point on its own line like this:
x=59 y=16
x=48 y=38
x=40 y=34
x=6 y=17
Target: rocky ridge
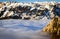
x=29 y=11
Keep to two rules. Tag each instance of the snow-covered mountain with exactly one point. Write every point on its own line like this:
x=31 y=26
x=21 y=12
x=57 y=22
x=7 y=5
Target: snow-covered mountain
x=36 y=10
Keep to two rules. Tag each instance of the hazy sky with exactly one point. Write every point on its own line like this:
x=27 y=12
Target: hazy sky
x=29 y=0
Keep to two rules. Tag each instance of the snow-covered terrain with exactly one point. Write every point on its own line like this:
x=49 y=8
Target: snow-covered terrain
x=36 y=10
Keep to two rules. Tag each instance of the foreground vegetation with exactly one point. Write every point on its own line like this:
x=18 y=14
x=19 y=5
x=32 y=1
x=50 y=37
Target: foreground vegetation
x=53 y=28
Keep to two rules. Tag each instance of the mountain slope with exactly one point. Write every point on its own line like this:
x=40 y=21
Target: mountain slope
x=37 y=10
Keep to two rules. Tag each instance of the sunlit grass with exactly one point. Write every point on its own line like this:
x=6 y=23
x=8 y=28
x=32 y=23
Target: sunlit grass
x=53 y=28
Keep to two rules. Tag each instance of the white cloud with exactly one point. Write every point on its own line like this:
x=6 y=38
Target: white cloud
x=23 y=32
x=35 y=23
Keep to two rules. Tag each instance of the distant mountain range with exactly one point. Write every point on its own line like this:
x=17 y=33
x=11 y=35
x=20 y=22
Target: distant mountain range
x=29 y=11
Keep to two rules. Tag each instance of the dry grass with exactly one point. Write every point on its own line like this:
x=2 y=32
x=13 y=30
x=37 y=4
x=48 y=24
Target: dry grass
x=53 y=27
